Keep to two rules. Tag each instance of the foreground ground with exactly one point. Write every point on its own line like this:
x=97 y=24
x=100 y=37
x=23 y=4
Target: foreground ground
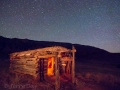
x=89 y=76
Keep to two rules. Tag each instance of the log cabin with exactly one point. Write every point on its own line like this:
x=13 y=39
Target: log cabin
x=44 y=62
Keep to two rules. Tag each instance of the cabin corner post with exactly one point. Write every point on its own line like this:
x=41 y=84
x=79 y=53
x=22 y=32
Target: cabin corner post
x=57 y=81
x=73 y=64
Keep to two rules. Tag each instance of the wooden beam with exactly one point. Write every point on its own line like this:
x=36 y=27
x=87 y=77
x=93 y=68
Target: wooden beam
x=58 y=64
x=73 y=64
x=66 y=59
x=57 y=81
x=68 y=69
x=45 y=56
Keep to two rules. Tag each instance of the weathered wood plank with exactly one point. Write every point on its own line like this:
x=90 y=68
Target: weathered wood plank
x=22 y=70
x=25 y=72
x=73 y=64
x=33 y=66
x=24 y=67
x=46 y=56
x=57 y=81
x=31 y=61
x=24 y=63
x=66 y=59
x=30 y=68
x=68 y=67
x=24 y=59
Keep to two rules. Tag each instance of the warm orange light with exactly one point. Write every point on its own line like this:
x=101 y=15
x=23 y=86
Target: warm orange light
x=50 y=66
x=63 y=64
x=24 y=65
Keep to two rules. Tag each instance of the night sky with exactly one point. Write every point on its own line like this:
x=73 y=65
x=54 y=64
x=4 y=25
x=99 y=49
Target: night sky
x=87 y=22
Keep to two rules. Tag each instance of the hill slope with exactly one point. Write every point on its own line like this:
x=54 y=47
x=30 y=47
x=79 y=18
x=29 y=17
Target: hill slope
x=8 y=46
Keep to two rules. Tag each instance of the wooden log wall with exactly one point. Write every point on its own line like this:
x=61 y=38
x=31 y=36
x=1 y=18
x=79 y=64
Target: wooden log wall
x=57 y=81
x=29 y=66
x=25 y=66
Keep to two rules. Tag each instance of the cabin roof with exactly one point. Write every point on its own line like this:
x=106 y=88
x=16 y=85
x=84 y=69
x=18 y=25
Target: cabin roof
x=46 y=49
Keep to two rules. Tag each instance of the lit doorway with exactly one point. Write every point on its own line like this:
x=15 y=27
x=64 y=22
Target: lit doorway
x=50 y=69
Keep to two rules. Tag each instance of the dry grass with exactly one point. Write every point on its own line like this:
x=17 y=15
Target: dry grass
x=99 y=73
x=100 y=77
x=86 y=76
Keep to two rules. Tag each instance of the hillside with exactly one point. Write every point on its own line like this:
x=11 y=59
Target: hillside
x=8 y=46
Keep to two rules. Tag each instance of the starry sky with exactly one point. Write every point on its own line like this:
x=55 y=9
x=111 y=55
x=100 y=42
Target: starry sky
x=87 y=22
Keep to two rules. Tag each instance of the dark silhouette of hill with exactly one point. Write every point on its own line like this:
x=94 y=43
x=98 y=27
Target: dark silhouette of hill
x=8 y=46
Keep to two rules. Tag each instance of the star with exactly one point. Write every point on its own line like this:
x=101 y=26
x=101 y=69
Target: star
x=95 y=23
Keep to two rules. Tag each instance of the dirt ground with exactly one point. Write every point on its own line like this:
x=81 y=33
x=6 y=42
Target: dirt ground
x=80 y=84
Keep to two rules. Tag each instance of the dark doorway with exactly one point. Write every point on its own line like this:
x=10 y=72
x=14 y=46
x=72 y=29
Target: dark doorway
x=41 y=69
